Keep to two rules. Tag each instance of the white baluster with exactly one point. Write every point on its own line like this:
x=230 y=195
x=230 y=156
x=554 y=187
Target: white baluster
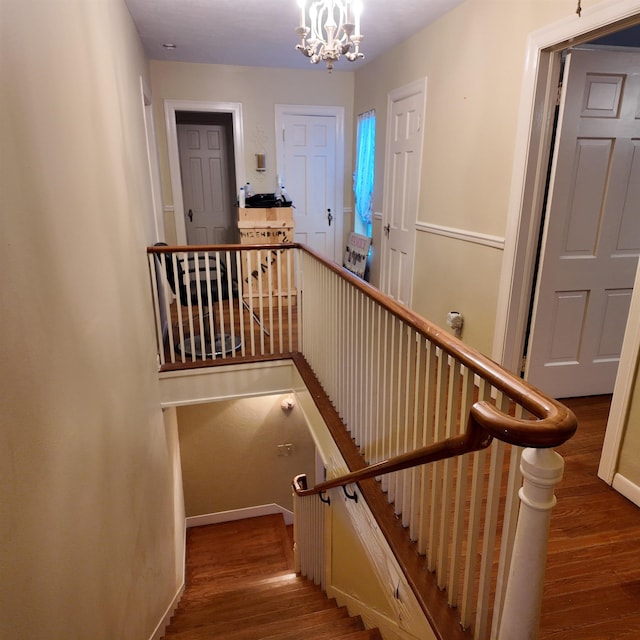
x=542 y=470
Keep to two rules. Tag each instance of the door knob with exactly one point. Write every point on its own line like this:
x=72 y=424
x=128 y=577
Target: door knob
x=190 y=214
x=329 y=216
x=387 y=228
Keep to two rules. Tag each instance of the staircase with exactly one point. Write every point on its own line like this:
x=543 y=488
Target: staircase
x=240 y=585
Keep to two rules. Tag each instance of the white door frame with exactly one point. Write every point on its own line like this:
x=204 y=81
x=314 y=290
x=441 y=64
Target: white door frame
x=170 y=109
x=282 y=110
x=152 y=160
x=531 y=154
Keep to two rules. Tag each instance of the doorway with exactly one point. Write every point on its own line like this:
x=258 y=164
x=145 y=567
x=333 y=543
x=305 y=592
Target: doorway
x=207 y=168
x=591 y=236
x=207 y=112
x=531 y=159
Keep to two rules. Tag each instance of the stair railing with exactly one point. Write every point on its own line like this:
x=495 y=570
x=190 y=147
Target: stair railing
x=441 y=427
x=217 y=303
x=443 y=430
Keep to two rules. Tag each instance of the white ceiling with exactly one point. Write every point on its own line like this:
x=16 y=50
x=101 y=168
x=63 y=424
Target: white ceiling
x=261 y=33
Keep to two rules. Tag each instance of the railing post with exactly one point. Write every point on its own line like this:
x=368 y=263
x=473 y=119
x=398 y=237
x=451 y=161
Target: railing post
x=542 y=470
x=309 y=534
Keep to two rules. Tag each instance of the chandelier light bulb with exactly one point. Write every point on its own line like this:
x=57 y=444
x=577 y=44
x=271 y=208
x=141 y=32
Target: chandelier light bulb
x=301 y=4
x=357 y=10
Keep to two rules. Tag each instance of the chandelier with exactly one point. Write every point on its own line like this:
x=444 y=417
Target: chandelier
x=333 y=31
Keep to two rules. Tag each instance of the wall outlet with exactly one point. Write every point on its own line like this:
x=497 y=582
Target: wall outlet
x=285 y=449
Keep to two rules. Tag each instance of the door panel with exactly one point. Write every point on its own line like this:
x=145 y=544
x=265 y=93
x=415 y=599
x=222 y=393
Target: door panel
x=592 y=236
x=402 y=184
x=614 y=320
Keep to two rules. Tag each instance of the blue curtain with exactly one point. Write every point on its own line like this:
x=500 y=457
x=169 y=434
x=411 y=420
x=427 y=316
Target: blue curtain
x=364 y=173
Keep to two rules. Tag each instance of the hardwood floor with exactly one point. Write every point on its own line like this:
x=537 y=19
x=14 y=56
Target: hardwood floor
x=592 y=582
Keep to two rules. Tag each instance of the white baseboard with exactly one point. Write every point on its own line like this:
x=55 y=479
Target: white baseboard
x=166 y=618
x=240 y=514
x=628 y=489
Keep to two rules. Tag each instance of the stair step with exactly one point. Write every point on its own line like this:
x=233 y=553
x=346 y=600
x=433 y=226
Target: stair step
x=230 y=620
x=284 y=581
x=328 y=630
x=365 y=634
x=253 y=602
x=252 y=630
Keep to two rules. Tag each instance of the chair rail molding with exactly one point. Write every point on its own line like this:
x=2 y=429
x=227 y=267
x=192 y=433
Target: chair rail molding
x=496 y=242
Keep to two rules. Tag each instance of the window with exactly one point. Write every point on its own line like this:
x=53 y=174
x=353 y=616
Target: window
x=364 y=173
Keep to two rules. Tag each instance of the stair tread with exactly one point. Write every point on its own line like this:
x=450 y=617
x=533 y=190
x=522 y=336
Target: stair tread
x=243 y=629
x=328 y=630
x=250 y=600
x=228 y=619
x=364 y=634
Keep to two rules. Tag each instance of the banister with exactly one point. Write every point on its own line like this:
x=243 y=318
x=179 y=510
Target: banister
x=420 y=385
x=554 y=422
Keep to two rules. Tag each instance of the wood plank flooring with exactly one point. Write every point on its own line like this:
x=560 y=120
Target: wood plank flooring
x=592 y=582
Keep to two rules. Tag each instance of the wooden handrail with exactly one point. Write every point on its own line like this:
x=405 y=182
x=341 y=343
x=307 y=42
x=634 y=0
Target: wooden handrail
x=473 y=439
x=206 y=248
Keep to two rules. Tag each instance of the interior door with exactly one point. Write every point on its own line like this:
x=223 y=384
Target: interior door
x=591 y=240
x=205 y=184
x=402 y=184
x=309 y=177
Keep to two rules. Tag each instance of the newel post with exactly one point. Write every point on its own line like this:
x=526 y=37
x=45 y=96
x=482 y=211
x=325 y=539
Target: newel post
x=542 y=470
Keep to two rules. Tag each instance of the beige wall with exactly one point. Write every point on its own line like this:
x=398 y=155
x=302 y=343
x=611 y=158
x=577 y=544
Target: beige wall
x=473 y=59
x=230 y=456
x=258 y=90
x=88 y=538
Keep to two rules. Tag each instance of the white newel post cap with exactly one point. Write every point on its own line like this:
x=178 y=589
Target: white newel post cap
x=542 y=470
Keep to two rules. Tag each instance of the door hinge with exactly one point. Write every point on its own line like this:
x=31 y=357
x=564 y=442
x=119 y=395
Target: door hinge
x=559 y=95
x=523 y=365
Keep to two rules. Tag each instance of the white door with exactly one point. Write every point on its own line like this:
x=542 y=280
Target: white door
x=592 y=232
x=405 y=118
x=309 y=178
x=208 y=210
